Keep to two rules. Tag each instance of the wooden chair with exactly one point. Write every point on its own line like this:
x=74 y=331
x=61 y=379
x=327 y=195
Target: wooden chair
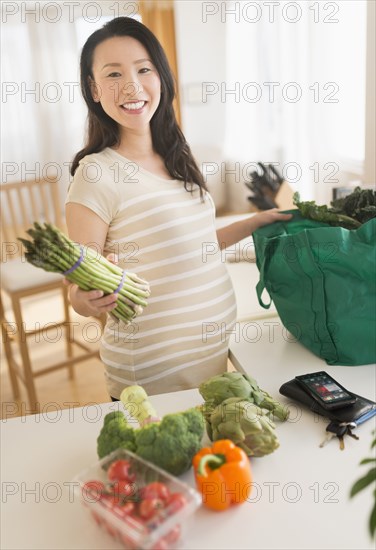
x=21 y=204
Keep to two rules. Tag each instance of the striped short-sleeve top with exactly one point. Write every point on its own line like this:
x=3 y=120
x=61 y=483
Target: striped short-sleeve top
x=167 y=236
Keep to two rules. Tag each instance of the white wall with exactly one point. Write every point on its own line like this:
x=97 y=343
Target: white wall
x=201 y=53
x=203 y=46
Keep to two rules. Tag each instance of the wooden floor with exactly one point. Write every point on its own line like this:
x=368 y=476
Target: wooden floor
x=55 y=390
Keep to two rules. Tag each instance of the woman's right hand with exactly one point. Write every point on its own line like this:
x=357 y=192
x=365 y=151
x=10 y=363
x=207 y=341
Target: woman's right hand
x=91 y=303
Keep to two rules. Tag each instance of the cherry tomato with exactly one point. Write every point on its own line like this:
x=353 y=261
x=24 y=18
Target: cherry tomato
x=175 y=502
x=149 y=507
x=121 y=470
x=92 y=491
x=124 y=488
x=156 y=489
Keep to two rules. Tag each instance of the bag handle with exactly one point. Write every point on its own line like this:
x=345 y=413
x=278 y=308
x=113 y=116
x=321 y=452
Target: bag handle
x=260 y=287
x=279 y=230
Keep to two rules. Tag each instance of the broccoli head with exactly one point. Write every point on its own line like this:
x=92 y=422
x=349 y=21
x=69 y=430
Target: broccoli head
x=115 y=434
x=170 y=443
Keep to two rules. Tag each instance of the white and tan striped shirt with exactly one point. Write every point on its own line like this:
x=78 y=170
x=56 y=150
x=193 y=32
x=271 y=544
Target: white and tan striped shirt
x=167 y=236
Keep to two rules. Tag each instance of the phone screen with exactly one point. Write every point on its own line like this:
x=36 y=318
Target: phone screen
x=325 y=388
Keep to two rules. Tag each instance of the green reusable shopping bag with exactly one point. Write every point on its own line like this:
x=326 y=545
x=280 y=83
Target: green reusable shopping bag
x=322 y=280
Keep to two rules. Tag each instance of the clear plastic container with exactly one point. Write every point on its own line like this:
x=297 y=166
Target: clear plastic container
x=156 y=525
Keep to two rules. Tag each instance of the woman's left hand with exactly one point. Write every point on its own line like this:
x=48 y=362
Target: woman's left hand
x=235 y=232
x=270 y=216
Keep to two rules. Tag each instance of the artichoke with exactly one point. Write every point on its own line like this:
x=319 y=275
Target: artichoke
x=234 y=384
x=245 y=424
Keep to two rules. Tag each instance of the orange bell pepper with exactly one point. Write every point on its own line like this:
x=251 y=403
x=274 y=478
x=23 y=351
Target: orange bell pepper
x=223 y=475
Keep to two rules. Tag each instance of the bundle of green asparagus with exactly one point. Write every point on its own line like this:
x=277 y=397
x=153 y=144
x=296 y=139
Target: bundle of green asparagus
x=53 y=251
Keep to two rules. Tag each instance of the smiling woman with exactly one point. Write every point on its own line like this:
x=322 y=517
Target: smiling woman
x=142 y=73
x=129 y=90
x=125 y=82
x=165 y=213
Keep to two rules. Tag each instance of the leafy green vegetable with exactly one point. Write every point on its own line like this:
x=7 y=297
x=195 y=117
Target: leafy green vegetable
x=309 y=209
x=169 y=443
x=360 y=205
x=350 y=212
x=368 y=479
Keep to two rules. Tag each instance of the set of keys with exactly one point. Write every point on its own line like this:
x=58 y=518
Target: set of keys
x=339 y=430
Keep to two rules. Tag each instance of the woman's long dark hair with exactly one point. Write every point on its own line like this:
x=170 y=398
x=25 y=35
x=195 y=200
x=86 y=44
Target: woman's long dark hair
x=168 y=140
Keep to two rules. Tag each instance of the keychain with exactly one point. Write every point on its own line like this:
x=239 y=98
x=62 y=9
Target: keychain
x=339 y=429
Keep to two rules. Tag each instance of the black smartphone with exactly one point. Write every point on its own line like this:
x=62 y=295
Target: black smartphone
x=325 y=390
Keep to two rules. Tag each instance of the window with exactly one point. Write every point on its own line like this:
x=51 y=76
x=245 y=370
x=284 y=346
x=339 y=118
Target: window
x=296 y=89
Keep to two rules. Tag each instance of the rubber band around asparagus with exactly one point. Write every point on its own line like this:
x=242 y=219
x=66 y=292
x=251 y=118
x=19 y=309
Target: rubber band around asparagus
x=121 y=283
x=77 y=264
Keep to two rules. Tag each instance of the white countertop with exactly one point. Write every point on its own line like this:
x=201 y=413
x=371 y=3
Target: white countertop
x=319 y=478
x=300 y=497
x=300 y=494
x=40 y=455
